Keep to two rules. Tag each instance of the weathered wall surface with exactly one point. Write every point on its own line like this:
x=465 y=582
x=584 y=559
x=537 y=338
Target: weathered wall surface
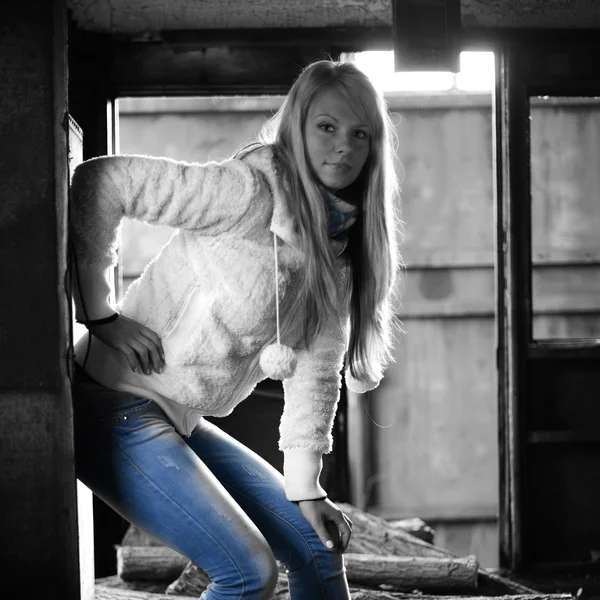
x=131 y=15
x=136 y=16
x=37 y=482
x=537 y=14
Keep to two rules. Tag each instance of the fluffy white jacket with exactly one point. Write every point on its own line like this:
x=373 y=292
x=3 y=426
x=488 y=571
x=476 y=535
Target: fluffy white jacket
x=210 y=295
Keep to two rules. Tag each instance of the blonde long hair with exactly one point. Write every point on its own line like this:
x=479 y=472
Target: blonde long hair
x=372 y=247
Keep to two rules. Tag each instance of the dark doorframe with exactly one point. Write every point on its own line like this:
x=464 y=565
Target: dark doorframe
x=547 y=388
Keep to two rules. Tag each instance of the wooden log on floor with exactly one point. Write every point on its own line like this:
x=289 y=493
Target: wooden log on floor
x=159 y=563
x=149 y=563
x=114 y=581
x=113 y=593
x=134 y=536
x=416 y=527
x=409 y=573
x=374 y=535
x=193 y=581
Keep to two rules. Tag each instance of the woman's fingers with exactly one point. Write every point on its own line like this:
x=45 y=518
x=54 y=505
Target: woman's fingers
x=141 y=346
x=333 y=534
x=329 y=522
x=327 y=532
x=339 y=531
x=155 y=359
x=315 y=512
x=131 y=356
x=345 y=528
x=347 y=519
x=143 y=355
x=155 y=339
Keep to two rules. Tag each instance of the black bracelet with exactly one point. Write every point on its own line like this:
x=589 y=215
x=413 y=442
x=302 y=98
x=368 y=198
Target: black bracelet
x=104 y=321
x=312 y=499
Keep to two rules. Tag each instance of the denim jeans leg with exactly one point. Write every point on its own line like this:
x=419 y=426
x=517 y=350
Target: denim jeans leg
x=129 y=454
x=314 y=571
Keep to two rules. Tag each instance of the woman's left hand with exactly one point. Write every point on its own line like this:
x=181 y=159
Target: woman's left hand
x=331 y=525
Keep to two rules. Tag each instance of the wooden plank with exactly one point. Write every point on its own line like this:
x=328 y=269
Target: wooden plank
x=434 y=423
x=446 y=292
x=404 y=101
x=568 y=324
x=535 y=14
x=514 y=280
x=194 y=69
x=569 y=288
x=573 y=349
x=471 y=536
x=570 y=294
x=564 y=179
x=360 y=455
x=122 y=16
x=564 y=437
x=445 y=160
x=396 y=101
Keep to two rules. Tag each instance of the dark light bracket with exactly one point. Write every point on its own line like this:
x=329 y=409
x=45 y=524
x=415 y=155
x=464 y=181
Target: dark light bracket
x=426 y=35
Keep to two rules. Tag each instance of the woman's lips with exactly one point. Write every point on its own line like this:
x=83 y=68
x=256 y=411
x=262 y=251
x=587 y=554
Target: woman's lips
x=339 y=166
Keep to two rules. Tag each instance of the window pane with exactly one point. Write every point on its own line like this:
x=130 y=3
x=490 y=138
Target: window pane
x=565 y=214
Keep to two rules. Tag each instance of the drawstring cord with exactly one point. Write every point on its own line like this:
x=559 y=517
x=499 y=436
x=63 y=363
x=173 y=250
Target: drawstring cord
x=276 y=287
x=277 y=361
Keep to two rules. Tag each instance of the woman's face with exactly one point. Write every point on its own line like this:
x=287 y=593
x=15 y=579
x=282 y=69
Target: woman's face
x=337 y=142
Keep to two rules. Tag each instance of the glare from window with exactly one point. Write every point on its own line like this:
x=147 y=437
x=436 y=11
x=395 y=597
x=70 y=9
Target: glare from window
x=476 y=73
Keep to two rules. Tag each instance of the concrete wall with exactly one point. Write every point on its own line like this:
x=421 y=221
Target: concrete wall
x=38 y=529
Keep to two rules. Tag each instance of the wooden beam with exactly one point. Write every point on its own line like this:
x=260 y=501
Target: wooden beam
x=243 y=61
x=133 y=16
x=189 y=69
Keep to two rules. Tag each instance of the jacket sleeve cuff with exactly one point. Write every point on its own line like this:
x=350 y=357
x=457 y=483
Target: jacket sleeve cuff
x=91 y=293
x=301 y=470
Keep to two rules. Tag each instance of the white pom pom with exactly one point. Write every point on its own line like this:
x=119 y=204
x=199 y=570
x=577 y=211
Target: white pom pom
x=278 y=361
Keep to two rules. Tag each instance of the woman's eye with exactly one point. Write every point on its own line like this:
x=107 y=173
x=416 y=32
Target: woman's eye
x=362 y=135
x=326 y=127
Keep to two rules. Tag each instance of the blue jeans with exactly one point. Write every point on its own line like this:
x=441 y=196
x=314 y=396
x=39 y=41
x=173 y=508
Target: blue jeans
x=206 y=496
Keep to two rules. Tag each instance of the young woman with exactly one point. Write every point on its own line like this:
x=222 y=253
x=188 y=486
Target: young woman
x=283 y=265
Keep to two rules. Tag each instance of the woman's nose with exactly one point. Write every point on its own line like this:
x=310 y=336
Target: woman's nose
x=343 y=145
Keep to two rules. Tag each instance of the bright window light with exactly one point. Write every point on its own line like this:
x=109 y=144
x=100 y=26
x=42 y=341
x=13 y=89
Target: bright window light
x=476 y=73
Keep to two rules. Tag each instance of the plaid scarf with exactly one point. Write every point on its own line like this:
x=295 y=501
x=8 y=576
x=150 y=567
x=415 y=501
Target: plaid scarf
x=342 y=215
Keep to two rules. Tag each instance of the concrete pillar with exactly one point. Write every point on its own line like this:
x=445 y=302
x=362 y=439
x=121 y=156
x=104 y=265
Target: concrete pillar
x=38 y=496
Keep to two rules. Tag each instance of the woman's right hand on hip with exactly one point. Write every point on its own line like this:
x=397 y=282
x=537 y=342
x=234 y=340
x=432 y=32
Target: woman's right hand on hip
x=141 y=346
